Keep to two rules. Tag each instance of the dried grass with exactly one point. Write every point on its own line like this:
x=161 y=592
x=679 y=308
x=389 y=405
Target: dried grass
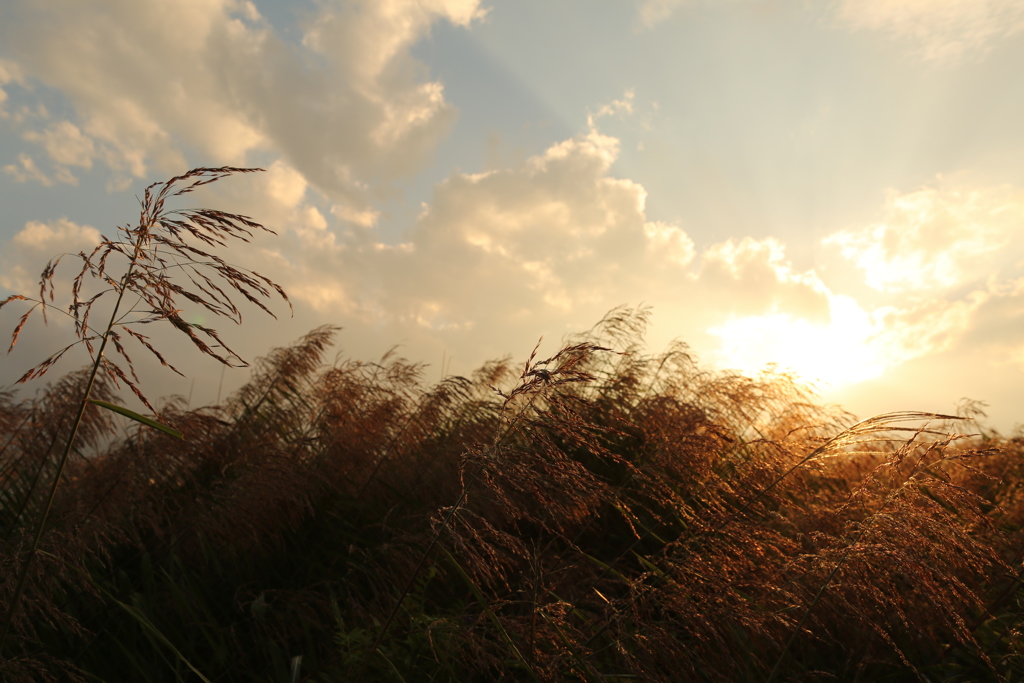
x=598 y=515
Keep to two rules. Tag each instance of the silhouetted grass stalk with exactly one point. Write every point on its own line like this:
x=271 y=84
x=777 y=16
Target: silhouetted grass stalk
x=41 y=522
x=145 y=276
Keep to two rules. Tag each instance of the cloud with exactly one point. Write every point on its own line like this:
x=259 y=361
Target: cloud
x=857 y=342
x=345 y=104
x=9 y=73
x=26 y=170
x=553 y=242
x=947 y=267
x=668 y=240
x=937 y=31
x=941 y=31
x=39 y=237
x=547 y=245
x=753 y=276
x=543 y=237
x=654 y=12
x=366 y=218
x=622 y=107
x=285 y=185
x=66 y=144
x=36 y=243
x=946 y=263
x=934 y=238
x=944 y=349
x=996 y=325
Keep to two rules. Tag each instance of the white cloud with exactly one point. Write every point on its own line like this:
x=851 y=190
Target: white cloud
x=946 y=260
x=751 y=277
x=545 y=236
x=997 y=323
x=670 y=242
x=66 y=144
x=545 y=246
x=347 y=103
x=924 y=329
x=58 y=235
x=285 y=185
x=940 y=30
x=934 y=237
x=364 y=217
x=26 y=170
x=550 y=244
x=31 y=247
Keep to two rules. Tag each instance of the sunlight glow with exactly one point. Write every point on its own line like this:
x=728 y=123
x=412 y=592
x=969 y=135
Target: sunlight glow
x=839 y=353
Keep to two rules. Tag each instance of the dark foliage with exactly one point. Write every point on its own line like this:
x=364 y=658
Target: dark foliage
x=599 y=515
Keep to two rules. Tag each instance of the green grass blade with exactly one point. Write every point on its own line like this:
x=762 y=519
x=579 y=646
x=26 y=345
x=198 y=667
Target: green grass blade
x=139 y=418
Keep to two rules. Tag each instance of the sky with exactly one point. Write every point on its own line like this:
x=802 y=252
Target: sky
x=832 y=186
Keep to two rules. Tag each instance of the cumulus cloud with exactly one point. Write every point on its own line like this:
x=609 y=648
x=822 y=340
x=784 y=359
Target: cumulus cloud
x=345 y=104
x=934 y=237
x=937 y=31
x=946 y=263
x=60 y=234
x=754 y=276
x=366 y=218
x=940 y=31
x=286 y=186
x=856 y=342
x=551 y=243
x=538 y=239
x=545 y=246
x=66 y=144
x=37 y=242
x=940 y=350
x=671 y=242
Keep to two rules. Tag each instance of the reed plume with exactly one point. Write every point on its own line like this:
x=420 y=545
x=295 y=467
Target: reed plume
x=156 y=249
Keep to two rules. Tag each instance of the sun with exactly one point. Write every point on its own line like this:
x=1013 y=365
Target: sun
x=837 y=354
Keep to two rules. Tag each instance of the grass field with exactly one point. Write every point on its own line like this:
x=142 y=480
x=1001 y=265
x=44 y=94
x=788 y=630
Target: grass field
x=605 y=514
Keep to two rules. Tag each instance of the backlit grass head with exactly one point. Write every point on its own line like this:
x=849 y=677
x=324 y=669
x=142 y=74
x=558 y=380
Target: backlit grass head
x=167 y=258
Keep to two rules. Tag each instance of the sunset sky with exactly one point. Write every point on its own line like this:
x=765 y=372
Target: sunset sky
x=836 y=186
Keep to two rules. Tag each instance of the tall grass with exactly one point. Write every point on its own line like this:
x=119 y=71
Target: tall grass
x=604 y=514
x=156 y=253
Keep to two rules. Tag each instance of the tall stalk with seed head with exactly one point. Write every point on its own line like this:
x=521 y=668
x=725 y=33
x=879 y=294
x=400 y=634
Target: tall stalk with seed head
x=153 y=250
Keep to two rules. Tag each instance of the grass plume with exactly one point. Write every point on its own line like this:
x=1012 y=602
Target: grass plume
x=153 y=251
